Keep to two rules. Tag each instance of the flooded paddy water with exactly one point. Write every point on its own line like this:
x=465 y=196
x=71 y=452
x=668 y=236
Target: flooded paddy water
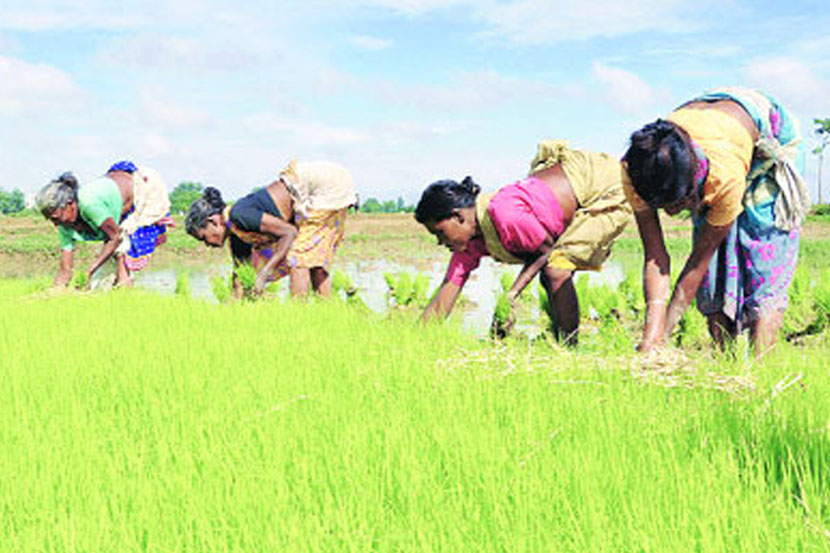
x=476 y=309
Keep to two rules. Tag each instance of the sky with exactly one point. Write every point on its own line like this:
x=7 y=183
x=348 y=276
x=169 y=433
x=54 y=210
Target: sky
x=401 y=92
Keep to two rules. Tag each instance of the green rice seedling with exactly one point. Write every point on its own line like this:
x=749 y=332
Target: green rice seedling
x=609 y=339
x=221 y=288
x=632 y=290
x=355 y=300
x=501 y=315
x=420 y=290
x=820 y=308
x=247 y=276
x=182 y=284
x=341 y=282
x=381 y=435
x=600 y=302
x=391 y=281
x=580 y=281
x=800 y=313
x=80 y=281
x=692 y=329
x=821 y=297
x=506 y=281
x=403 y=289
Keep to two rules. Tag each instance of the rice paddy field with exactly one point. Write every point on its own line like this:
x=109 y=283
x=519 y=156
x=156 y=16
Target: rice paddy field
x=136 y=421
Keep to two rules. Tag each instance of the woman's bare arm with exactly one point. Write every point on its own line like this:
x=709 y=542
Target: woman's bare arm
x=66 y=266
x=285 y=233
x=443 y=301
x=708 y=241
x=111 y=242
x=530 y=269
x=656 y=277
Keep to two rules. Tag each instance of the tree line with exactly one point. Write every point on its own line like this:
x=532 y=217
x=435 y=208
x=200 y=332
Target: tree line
x=12 y=201
x=185 y=193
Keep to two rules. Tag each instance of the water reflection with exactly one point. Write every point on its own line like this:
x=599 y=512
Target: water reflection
x=480 y=290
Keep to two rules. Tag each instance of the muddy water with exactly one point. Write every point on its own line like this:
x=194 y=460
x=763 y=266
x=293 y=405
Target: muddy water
x=480 y=290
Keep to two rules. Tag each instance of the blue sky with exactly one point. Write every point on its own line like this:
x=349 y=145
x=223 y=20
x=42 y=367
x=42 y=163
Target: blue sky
x=402 y=92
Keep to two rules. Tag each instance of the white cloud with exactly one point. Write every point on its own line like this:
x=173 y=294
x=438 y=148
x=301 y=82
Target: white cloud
x=178 y=53
x=792 y=80
x=35 y=87
x=158 y=109
x=623 y=90
x=473 y=90
x=403 y=132
x=7 y=43
x=297 y=131
x=370 y=43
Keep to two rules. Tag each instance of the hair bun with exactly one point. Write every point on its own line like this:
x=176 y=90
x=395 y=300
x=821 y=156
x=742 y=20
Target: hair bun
x=470 y=186
x=654 y=133
x=213 y=197
x=67 y=179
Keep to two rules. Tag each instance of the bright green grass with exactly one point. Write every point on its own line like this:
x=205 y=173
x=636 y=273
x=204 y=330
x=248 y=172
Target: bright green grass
x=133 y=422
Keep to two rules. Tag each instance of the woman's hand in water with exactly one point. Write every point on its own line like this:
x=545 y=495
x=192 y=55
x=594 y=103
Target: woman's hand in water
x=504 y=317
x=261 y=283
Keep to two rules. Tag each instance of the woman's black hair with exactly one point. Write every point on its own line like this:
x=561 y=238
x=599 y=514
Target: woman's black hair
x=441 y=197
x=209 y=204
x=661 y=163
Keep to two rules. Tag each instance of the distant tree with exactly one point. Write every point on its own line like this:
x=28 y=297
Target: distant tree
x=12 y=202
x=183 y=195
x=822 y=129
x=371 y=205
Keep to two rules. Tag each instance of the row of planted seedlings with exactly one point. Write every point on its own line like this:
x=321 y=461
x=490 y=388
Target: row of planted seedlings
x=614 y=313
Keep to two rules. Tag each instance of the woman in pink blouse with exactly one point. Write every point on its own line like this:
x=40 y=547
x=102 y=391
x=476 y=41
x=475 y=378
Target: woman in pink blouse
x=563 y=217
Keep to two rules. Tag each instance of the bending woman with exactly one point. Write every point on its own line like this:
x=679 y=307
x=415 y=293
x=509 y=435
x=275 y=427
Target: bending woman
x=128 y=209
x=728 y=156
x=293 y=226
x=561 y=218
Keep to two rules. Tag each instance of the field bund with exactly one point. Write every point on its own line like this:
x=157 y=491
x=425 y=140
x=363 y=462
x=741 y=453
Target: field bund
x=137 y=422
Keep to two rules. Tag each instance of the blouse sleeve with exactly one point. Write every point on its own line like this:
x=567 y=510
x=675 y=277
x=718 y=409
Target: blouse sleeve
x=246 y=216
x=464 y=263
x=66 y=238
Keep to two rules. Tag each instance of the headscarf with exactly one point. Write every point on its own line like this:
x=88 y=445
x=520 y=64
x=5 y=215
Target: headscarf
x=124 y=165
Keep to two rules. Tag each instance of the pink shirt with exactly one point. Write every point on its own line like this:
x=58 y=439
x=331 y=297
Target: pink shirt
x=463 y=263
x=525 y=214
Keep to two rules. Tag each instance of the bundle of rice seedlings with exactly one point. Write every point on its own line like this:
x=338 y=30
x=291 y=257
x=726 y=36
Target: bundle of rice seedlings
x=182 y=284
x=221 y=288
x=80 y=281
x=247 y=277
